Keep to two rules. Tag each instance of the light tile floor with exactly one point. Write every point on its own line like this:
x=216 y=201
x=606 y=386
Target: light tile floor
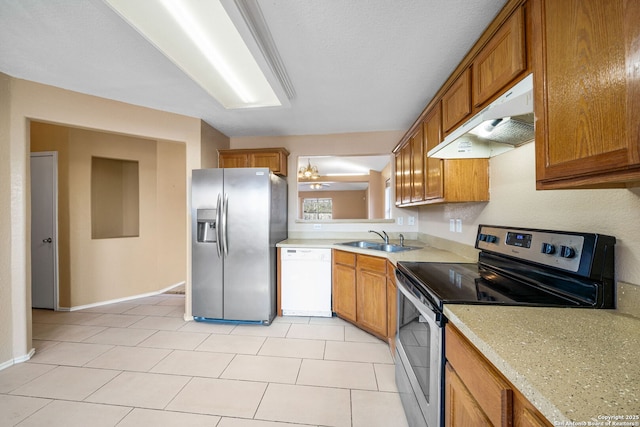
x=140 y=364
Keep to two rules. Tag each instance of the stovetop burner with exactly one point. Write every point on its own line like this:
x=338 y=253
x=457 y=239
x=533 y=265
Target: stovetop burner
x=519 y=266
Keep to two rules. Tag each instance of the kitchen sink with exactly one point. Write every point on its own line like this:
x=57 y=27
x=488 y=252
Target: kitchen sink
x=379 y=246
x=363 y=244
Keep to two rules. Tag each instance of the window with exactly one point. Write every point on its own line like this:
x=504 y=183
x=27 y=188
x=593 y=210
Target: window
x=115 y=199
x=317 y=209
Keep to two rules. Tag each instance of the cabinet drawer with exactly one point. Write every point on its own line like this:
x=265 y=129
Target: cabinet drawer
x=344 y=258
x=493 y=394
x=372 y=263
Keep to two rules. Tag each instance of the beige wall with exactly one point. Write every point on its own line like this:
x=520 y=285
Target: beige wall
x=136 y=265
x=515 y=202
x=375 y=191
x=28 y=100
x=6 y=270
x=346 y=204
x=212 y=141
x=171 y=213
x=360 y=143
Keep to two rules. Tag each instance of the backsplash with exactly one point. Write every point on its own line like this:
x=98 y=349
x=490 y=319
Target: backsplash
x=628 y=299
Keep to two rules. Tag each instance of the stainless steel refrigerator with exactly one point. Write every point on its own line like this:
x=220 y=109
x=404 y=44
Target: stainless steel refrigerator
x=238 y=216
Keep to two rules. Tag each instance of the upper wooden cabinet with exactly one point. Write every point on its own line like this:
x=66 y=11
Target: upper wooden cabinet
x=405 y=179
x=465 y=180
x=587 y=93
x=501 y=60
x=456 y=102
x=418 y=157
x=443 y=181
x=399 y=180
x=273 y=158
x=500 y=57
x=434 y=174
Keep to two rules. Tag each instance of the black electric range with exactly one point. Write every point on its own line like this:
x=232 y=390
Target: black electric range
x=518 y=266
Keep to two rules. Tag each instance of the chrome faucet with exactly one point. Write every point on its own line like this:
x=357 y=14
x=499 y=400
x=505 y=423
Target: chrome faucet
x=385 y=237
x=401 y=240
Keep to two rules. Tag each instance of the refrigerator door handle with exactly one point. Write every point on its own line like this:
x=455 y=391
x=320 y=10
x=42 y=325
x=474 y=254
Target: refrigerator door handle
x=218 y=221
x=225 y=211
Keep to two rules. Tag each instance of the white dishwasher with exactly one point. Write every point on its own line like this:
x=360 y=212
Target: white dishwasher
x=306 y=282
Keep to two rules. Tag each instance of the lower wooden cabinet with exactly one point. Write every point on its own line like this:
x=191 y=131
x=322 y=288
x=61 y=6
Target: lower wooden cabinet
x=461 y=409
x=392 y=306
x=364 y=292
x=371 y=288
x=344 y=285
x=477 y=394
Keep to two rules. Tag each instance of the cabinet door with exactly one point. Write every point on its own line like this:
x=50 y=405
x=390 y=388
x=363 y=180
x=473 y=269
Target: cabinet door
x=466 y=180
x=265 y=160
x=525 y=414
x=587 y=99
x=406 y=174
x=434 y=167
x=461 y=409
x=482 y=382
x=372 y=301
x=392 y=306
x=398 y=178
x=501 y=60
x=417 y=166
x=456 y=102
x=231 y=160
x=344 y=285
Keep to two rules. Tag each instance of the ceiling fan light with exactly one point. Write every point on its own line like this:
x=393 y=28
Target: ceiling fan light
x=308 y=172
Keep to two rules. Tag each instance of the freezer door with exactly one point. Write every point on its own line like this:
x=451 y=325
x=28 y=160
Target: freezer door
x=206 y=262
x=248 y=259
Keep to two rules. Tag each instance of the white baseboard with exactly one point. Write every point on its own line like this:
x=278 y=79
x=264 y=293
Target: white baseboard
x=113 y=301
x=20 y=359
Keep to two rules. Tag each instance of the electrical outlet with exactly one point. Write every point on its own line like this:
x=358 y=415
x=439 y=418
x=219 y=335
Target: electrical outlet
x=317 y=226
x=452 y=225
x=458 y=226
x=411 y=220
x=400 y=220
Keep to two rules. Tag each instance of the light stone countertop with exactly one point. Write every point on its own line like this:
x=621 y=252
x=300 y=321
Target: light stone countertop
x=572 y=364
x=426 y=254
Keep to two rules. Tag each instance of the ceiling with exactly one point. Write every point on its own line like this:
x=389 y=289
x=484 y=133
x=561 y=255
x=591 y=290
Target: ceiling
x=355 y=65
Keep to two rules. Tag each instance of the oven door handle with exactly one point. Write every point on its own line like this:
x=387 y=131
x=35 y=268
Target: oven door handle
x=428 y=311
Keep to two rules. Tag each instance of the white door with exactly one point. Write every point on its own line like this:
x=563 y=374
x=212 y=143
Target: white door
x=44 y=244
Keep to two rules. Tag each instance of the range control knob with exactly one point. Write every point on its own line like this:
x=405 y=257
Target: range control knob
x=548 y=248
x=491 y=238
x=567 y=252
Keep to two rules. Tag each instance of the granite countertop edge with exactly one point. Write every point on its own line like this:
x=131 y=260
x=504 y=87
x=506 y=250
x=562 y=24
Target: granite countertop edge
x=574 y=365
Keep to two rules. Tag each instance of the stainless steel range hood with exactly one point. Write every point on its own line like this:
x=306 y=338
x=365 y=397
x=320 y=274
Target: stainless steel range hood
x=503 y=125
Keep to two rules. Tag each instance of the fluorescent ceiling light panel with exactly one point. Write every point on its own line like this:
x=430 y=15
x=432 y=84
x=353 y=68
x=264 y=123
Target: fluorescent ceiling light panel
x=200 y=38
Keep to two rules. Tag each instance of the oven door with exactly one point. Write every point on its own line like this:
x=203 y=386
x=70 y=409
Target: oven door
x=419 y=357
